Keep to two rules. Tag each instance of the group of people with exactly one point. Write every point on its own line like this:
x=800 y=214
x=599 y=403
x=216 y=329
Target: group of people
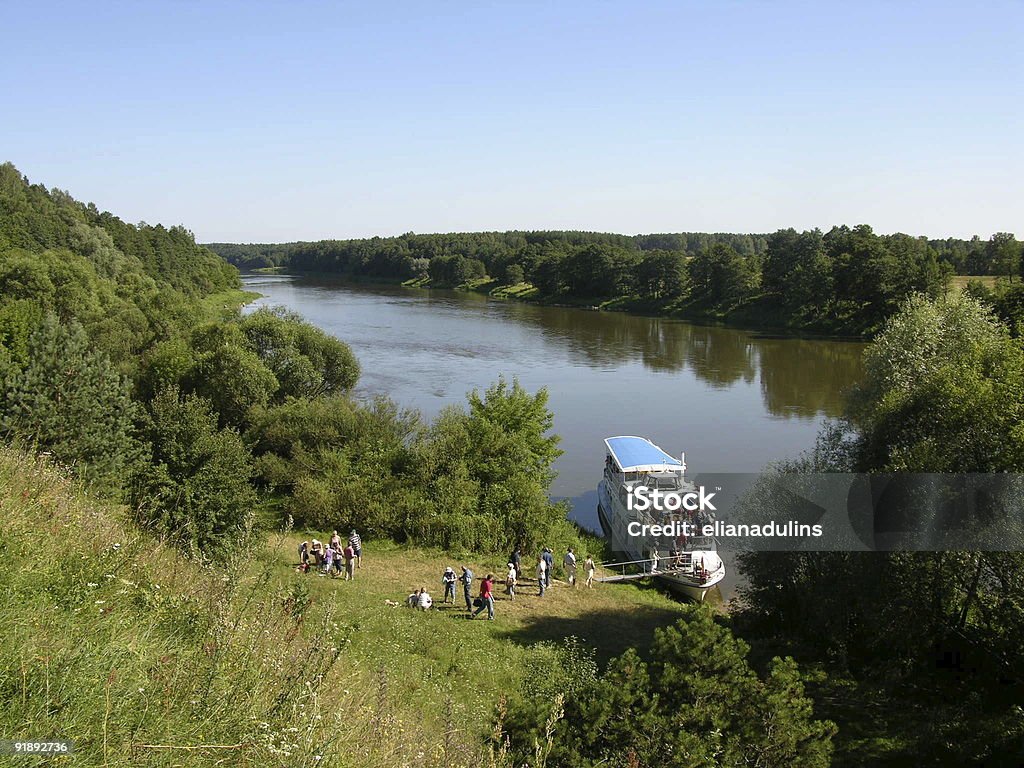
x=332 y=558
x=484 y=600
x=337 y=557
x=546 y=564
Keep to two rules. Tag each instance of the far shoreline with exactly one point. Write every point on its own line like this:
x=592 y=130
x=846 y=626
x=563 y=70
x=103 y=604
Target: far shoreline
x=497 y=292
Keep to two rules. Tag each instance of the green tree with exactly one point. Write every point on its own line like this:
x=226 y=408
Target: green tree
x=720 y=276
x=662 y=275
x=69 y=400
x=942 y=391
x=229 y=374
x=1004 y=255
x=799 y=271
x=698 y=702
x=196 y=487
x=306 y=361
x=514 y=274
x=511 y=431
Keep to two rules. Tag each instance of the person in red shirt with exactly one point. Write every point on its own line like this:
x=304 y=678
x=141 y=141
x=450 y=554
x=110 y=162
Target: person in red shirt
x=486 y=597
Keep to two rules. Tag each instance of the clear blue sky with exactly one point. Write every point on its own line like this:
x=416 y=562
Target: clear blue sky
x=263 y=121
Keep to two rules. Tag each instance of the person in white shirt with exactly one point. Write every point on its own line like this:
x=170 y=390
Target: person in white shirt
x=569 y=563
x=542 y=570
x=425 y=602
x=510 y=581
x=448 y=580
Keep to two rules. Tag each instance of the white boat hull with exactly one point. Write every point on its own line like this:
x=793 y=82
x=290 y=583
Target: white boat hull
x=614 y=522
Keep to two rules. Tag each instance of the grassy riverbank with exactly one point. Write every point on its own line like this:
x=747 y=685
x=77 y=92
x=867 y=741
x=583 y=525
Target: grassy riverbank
x=757 y=314
x=144 y=658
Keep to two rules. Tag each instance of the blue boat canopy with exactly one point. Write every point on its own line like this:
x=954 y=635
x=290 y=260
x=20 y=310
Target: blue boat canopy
x=638 y=454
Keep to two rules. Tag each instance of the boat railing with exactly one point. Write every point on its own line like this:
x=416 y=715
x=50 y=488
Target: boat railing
x=656 y=565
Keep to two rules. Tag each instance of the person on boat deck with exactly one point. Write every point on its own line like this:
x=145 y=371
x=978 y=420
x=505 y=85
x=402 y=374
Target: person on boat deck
x=425 y=601
x=549 y=565
x=542 y=572
x=448 y=580
x=569 y=563
x=588 y=568
x=467 y=585
x=654 y=561
x=510 y=581
x=486 y=597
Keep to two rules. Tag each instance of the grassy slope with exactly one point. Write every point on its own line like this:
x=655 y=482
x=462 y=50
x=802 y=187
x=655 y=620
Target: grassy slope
x=121 y=645
x=223 y=305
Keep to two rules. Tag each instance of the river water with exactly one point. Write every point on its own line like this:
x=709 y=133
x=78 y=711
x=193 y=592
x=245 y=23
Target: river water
x=732 y=400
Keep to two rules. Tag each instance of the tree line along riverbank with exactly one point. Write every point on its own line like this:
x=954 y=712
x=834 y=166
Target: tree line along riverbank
x=846 y=281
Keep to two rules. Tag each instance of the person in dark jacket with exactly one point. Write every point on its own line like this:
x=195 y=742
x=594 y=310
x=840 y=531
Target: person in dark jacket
x=467 y=585
x=517 y=561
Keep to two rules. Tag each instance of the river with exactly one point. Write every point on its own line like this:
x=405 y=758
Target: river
x=733 y=400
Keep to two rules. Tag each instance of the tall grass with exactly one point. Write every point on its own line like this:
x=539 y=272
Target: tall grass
x=143 y=658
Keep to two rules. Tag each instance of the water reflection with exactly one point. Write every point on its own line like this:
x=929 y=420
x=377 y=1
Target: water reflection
x=798 y=378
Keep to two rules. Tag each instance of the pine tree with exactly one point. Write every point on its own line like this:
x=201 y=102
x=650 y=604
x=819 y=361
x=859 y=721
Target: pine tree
x=70 y=401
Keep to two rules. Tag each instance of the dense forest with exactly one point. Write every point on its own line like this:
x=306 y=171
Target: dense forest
x=847 y=280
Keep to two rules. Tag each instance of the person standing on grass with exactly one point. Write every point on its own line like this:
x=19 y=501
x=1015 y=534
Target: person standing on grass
x=467 y=585
x=336 y=542
x=486 y=597
x=517 y=561
x=589 y=568
x=304 y=553
x=549 y=565
x=329 y=556
x=448 y=580
x=542 y=572
x=510 y=581
x=350 y=563
x=569 y=563
x=317 y=550
x=357 y=546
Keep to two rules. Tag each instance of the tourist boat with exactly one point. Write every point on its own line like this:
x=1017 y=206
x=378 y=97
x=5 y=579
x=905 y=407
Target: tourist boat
x=689 y=565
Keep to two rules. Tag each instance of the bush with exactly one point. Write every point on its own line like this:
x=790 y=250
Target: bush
x=195 y=488
x=697 y=703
